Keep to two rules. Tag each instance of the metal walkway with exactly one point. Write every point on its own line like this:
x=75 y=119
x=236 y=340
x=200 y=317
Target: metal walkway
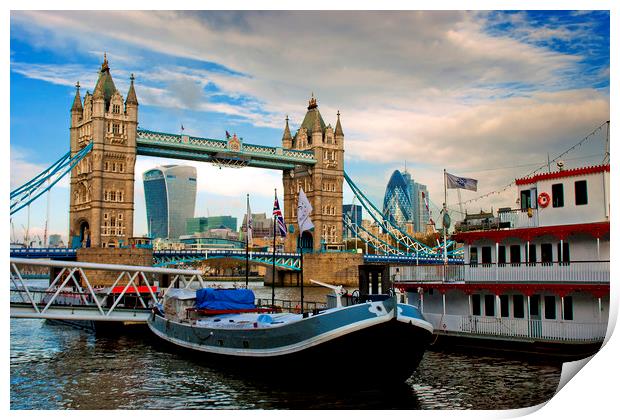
x=71 y=295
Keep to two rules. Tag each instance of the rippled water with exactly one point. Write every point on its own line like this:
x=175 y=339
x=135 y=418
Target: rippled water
x=59 y=367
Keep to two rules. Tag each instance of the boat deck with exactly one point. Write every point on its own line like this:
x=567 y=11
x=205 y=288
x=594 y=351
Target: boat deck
x=247 y=320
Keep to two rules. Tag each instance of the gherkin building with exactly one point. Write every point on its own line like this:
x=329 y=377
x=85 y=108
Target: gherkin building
x=397 y=203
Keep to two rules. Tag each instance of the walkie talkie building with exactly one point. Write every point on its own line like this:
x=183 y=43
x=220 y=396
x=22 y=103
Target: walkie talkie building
x=170 y=195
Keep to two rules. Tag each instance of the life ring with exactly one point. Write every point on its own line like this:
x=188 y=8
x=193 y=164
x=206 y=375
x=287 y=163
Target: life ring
x=543 y=199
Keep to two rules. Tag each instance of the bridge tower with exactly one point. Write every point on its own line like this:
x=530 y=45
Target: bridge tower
x=102 y=184
x=321 y=183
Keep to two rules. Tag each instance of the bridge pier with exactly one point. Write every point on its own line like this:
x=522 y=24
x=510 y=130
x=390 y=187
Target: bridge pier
x=337 y=268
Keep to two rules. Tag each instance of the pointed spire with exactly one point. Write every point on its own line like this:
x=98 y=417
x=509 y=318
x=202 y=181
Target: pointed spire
x=132 y=99
x=338 y=131
x=287 y=132
x=77 y=102
x=104 y=65
x=312 y=102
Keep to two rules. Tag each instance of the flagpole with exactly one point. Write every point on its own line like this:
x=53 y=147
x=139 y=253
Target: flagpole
x=247 y=243
x=301 y=265
x=445 y=211
x=273 y=267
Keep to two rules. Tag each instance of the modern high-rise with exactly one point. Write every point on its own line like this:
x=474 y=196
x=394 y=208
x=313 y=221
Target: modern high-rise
x=354 y=212
x=170 y=195
x=404 y=201
x=204 y=224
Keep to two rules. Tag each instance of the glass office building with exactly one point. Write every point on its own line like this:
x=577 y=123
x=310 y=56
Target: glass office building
x=203 y=224
x=397 y=205
x=354 y=211
x=404 y=201
x=170 y=195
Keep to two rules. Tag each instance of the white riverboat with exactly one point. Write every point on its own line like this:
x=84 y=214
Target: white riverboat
x=534 y=279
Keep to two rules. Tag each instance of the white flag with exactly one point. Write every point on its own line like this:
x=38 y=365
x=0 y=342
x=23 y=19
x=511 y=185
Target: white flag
x=248 y=224
x=453 y=181
x=303 y=212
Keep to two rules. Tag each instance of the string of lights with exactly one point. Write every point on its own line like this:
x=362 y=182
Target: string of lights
x=501 y=190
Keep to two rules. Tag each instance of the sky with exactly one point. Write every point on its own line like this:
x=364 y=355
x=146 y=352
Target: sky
x=482 y=94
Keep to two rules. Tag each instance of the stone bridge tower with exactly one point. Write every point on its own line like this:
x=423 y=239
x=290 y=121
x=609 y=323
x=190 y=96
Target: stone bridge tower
x=321 y=183
x=102 y=184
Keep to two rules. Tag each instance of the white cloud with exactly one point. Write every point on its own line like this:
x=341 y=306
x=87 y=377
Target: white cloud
x=432 y=88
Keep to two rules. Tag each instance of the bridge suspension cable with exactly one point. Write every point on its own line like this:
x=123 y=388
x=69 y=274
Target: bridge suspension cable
x=27 y=193
x=411 y=245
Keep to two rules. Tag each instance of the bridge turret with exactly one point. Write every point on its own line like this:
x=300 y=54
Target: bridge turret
x=287 y=139
x=322 y=183
x=102 y=185
x=131 y=103
x=338 y=132
x=76 y=117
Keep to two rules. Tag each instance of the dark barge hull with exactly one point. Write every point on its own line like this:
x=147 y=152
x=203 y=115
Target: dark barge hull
x=386 y=352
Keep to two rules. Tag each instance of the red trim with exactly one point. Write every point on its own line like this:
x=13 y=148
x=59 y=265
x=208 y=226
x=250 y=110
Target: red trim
x=528 y=289
x=141 y=289
x=597 y=230
x=563 y=174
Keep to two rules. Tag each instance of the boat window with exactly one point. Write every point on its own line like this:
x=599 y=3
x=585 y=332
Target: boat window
x=501 y=255
x=489 y=305
x=475 y=304
x=568 y=308
x=515 y=254
x=546 y=254
x=563 y=253
x=549 y=307
x=503 y=304
x=557 y=191
x=526 y=200
x=486 y=255
x=517 y=303
x=532 y=254
x=581 y=193
x=473 y=256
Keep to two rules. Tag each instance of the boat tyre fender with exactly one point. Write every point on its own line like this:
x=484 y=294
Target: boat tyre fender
x=543 y=199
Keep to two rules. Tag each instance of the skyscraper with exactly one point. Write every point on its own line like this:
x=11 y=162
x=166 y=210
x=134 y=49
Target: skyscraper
x=354 y=211
x=404 y=201
x=397 y=205
x=170 y=195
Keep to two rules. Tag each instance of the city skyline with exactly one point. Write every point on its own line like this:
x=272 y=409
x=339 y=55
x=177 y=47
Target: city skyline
x=421 y=111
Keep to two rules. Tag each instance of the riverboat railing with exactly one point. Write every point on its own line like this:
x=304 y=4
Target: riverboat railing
x=292 y=306
x=595 y=272
x=519 y=218
x=548 y=330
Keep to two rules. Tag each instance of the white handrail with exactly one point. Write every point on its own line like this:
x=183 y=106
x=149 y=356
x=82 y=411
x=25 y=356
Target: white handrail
x=99 y=266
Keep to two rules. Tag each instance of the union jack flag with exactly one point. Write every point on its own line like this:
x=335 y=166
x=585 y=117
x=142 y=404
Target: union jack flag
x=279 y=220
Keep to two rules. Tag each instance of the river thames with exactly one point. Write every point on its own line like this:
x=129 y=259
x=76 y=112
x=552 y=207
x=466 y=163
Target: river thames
x=54 y=366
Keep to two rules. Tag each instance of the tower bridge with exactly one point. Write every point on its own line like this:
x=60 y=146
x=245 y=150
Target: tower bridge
x=105 y=141
x=102 y=183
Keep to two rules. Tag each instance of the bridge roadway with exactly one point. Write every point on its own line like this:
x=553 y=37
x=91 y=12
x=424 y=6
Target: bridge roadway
x=286 y=261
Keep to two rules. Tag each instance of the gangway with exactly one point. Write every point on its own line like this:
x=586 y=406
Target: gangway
x=67 y=298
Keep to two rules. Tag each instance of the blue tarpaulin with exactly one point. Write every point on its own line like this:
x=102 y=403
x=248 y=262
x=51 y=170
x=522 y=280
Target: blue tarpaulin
x=219 y=299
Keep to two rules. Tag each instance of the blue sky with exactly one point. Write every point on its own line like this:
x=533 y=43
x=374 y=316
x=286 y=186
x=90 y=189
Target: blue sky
x=482 y=94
